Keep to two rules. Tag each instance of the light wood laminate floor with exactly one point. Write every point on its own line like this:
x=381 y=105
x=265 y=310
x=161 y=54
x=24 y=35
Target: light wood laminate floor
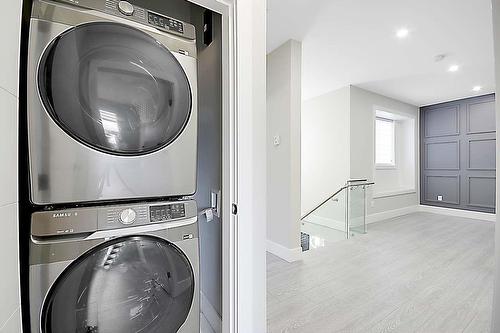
x=417 y=273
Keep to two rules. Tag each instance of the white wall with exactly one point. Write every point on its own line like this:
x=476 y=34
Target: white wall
x=9 y=254
x=362 y=148
x=325 y=146
x=495 y=326
x=251 y=141
x=283 y=149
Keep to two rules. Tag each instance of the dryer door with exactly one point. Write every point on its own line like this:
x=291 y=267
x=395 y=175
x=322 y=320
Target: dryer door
x=130 y=284
x=114 y=88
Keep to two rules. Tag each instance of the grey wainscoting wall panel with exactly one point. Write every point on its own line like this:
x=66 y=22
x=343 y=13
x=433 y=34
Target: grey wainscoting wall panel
x=481 y=191
x=458 y=154
x=443 y=155
x=440 y=185
x=442 y=121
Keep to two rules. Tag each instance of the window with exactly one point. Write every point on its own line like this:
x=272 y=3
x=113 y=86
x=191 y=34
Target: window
x=384 y=142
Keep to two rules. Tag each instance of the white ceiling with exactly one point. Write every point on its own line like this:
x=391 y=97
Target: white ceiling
x=354 y=42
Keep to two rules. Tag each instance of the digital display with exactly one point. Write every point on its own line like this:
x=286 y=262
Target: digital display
x=167 y=212
x=165 y=22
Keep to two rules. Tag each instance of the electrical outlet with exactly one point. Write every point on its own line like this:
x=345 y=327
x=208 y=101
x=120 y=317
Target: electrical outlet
x=440 y=198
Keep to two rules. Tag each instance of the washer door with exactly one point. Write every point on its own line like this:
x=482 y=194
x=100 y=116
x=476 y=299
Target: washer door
x=130 y=284
x=114 y=88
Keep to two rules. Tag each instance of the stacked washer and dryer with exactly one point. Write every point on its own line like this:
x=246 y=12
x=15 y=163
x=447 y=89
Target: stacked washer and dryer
x=112 y=118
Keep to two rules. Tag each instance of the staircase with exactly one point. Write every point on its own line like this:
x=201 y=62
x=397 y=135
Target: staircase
x=341 y=216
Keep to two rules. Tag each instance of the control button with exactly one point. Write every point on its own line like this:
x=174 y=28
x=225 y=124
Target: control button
x=125 y=8
x=127 y=216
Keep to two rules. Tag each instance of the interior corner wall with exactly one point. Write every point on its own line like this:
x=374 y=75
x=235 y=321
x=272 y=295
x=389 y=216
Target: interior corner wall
x=325 y=146
x=283 y=145
x=209 y=176
x=495 y=325
x=209 y=170
x=362 y=148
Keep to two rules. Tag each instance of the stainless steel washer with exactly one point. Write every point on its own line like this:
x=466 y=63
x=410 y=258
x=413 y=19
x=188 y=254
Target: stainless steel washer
x=115 y=269
x=112 y=103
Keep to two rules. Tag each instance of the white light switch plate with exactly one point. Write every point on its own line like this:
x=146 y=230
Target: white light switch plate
x=277 y=140
x=440 y=198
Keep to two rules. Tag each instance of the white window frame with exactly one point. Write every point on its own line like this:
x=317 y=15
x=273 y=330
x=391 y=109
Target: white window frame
x=385 y=165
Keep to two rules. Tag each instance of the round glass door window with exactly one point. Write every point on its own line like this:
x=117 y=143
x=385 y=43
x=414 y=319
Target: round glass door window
x=133 y=284
x=114 y=88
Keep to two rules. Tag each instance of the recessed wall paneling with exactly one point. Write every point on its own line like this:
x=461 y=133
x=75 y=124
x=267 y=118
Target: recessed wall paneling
x=481 y=154
x=446 y=186
x=442 y=121
x=458 y=154
x=481 y=117
x=482 y=191
x=443 y=155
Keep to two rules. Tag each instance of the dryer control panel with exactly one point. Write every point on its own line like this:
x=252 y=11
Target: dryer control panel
x=91 y=219
x=126 y=9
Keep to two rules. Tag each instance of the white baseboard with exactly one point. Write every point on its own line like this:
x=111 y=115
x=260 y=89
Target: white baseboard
x=284 y=253
x=458 y=212
x=372 y=218
x=210 y=314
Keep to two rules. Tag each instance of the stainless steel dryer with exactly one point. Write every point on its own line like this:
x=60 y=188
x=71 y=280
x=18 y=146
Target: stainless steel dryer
x=112 y=102
x=118 y=269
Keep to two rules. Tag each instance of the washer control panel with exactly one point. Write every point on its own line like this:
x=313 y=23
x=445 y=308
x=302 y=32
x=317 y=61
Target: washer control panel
x=119 y=216
x=125 y=8
x=127 y=216
x=90 y=219
x=141 y=214
x=167 y=212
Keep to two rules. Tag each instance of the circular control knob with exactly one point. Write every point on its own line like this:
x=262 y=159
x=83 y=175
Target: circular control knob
x=127 y=216
x=125 y=8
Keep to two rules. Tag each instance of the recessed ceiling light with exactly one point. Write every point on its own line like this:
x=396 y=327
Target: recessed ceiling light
x=477 y=88
x=439 y=57
x=402 y=33
x=453 y=68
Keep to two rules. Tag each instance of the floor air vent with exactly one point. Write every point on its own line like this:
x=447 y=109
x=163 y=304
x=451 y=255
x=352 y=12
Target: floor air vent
x=304 y=241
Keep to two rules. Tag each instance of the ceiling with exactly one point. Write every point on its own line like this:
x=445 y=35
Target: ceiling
x=354 y=42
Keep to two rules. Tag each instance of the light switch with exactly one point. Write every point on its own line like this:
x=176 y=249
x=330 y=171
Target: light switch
x=277 y=140
x=215 y=202
x=440 y=198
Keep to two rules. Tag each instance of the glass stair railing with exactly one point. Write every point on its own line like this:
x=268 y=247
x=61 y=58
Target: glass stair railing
x=340 y=216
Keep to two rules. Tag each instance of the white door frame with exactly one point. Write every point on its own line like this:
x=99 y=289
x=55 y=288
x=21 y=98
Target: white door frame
x=243 y=163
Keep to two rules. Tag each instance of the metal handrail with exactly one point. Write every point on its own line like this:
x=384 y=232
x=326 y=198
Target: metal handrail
x=357 y=180
x=323 y=202
x=333 y=195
